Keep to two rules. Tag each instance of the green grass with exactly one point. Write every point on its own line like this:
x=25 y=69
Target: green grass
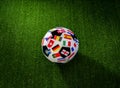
x=23 y=23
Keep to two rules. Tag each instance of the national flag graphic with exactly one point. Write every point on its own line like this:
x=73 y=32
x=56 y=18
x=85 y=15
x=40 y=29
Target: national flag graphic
x=70 y=32
x=76 y=40
x=64 y=43
x=47 y=38
x=75 y=45
x=50 y=44
x=64 y=52
x=67 y=43
x=71 y=55
x=60 y=59
x=56 y=55
x=66 y=36
x=42 y=41
x=56 y=48
x=58 y=38
x=60 y=30
x=46 y=51
x=54 y=33
x=72 y=49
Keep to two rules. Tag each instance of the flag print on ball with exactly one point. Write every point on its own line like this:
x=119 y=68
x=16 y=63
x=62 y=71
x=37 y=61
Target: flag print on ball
x=65 y=51
x=60 y=45
x=66 y=43
x=70 y=32
x=67 y=36
x=71 y=55
x=60 y=30
x=76 y=41
x=61 y=59
x=42 y=42
x=46 y=50
x=58 y=38
x=56 y=55
x=56 y=48
x=72 y=49
x=50 y=44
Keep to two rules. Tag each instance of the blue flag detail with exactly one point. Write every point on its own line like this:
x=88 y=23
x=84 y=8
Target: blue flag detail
x=76 y=40
x=48 y=51
x=46 y=39
x=61 y=59
x=70 y=33
x=72 y=49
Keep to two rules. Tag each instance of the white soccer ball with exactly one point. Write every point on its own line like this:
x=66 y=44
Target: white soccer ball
x=60 y=45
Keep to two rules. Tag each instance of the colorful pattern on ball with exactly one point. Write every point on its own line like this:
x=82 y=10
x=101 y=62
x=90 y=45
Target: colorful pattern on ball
x=60 y=45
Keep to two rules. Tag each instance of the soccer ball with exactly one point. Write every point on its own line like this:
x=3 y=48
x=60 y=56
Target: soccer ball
x=60 y=45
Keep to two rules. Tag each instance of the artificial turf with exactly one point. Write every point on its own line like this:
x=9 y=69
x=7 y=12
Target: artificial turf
x=23 y=23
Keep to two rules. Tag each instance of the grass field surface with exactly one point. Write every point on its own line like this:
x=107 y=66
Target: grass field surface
x=23 y=24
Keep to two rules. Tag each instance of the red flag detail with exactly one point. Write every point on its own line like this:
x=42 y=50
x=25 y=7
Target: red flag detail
x=69 y=43
x=51 y=42
x=75 y=45
x=71 y=55
x=64 y=52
